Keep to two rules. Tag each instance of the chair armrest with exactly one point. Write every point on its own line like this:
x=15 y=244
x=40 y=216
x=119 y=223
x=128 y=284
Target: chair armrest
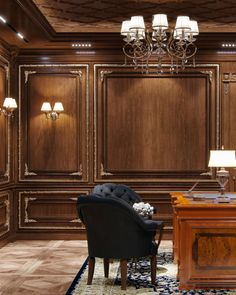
x=153 y=225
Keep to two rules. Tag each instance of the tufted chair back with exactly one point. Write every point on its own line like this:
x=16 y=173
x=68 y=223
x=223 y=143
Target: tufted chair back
x=120 y=191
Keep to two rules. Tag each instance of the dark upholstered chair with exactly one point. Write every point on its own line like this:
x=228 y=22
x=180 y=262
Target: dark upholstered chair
x=116 y=231
x=117 y=190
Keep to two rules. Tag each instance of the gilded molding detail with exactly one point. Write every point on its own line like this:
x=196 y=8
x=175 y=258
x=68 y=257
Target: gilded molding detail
x=27 y=73
x=27 y=172
x=27 y=219
x=227 y=79
x=226 y=88
x=7 y=72
x=79 y=173
x=210 y=73
x=7 y=204
x=7 y=173
x=104 y=173
x=103 y=73
x=80 y=73
x=75 y=220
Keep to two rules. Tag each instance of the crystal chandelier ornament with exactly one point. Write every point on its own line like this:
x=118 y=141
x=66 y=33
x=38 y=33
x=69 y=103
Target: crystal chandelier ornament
x=140 y=44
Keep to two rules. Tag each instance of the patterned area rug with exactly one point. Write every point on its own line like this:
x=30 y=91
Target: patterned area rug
x=138 y=280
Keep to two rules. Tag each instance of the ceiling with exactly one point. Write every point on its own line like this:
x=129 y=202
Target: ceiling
x=106 y=15
x=55 y=23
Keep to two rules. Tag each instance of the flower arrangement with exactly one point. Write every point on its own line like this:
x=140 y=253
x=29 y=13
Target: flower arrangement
x=143 y=209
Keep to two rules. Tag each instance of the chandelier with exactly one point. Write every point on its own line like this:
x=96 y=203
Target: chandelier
x=178 y=45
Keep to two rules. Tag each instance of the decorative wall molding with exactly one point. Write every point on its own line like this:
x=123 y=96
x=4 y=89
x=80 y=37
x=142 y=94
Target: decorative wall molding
x=81 y=70
x=27 y=219
x=80 y=73
x=55 y=201
x=7 y=173
x=27 y=172
x=27 y=73
x=79 y=173
x=103 y=172
x=209 y=72
x=227 y=79
x=104 y=73
x=5 y=206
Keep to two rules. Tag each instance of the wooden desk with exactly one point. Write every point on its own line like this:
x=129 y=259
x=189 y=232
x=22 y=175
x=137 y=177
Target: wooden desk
x=204 y=243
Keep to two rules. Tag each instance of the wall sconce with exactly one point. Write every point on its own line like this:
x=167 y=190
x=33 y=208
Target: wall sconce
x=9 y=105
x=52 y=113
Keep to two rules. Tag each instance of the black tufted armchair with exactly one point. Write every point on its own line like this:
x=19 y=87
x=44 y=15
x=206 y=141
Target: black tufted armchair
x=115 y=231
x=120 y=191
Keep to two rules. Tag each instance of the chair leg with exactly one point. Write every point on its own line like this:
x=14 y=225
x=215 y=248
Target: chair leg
x=91 y=265
x=153 y=269
x=123 y=271
x=106 y=267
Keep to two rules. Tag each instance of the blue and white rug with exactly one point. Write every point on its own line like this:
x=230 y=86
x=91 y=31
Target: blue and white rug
x=138 y=280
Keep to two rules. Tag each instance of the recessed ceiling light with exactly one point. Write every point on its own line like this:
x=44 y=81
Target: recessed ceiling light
x=20 y=35
x=81 y=45
x=228 y=45
x=2 y=19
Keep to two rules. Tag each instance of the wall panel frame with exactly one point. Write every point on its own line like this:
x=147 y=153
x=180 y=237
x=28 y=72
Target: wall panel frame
x=49 y=210
x=5 y=123
x=52 y=151
x=127 y=146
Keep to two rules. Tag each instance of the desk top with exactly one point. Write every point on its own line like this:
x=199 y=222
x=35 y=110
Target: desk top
x=201 y=199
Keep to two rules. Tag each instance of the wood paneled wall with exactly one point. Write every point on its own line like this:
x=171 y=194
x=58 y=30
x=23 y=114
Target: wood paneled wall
x=150 y=131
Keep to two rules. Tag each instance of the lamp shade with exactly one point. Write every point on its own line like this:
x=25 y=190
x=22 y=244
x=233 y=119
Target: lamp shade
x=222 y=158
x=125 y=27
x=183 y=23
x=137 y=22
x=46 y=107
x=159 y=21
x=58 y=107
x=9 y=103
x=194 y=27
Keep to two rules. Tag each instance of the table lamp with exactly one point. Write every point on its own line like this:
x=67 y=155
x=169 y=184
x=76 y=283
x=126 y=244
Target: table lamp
x=221 y=159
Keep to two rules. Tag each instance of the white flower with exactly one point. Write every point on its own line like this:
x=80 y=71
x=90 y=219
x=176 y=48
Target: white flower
x=144 y=209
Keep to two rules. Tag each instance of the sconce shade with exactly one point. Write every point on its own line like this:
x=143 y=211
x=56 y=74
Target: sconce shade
x=58 y=107
x=46 y=107
x=222 y=158
x=9 y=103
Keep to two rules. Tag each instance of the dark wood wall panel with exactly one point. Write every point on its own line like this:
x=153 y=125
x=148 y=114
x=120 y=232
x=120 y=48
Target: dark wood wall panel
x=53 y=210
x=54 y=147
x=229 y=107
x=54 y=150
x=151 y=126
x=4 y=127
x=144 y=116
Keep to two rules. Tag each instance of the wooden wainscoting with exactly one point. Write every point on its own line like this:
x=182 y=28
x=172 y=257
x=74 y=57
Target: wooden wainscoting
x=4 y=125
x=49 y=210
x=53 y=150
x=4 y=213
x=150 y=126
